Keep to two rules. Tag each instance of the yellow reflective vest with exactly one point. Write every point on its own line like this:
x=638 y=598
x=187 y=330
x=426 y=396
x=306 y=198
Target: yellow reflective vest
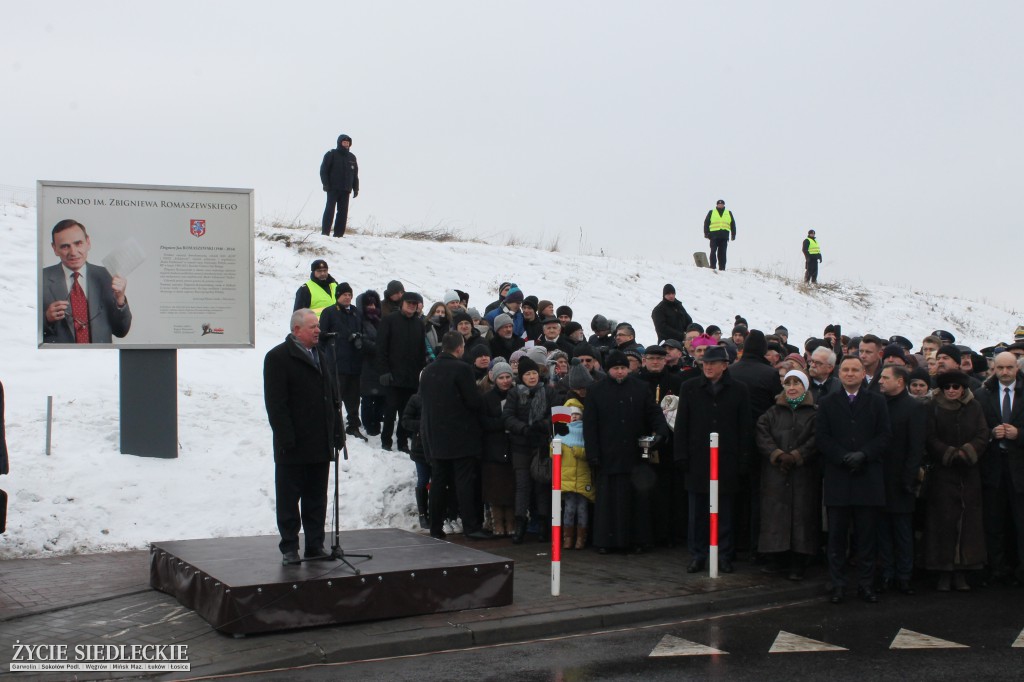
x=720 y=222
x=320 y=299
x=812 y=247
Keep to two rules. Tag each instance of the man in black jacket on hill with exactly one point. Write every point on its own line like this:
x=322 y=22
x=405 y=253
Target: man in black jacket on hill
x=339 y=174
x=670 y=317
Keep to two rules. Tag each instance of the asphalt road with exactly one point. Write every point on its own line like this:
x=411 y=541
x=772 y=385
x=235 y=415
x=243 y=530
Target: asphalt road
x=865 y=639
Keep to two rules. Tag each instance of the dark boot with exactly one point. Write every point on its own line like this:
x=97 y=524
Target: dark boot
x=520 y=531
x=421 y=506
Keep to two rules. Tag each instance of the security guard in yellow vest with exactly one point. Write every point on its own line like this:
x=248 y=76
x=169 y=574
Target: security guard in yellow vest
x=320 y=291
x=718 y=226
x=812 y=256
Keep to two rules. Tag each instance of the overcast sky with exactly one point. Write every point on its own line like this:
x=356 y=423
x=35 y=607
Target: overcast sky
x=893 y=129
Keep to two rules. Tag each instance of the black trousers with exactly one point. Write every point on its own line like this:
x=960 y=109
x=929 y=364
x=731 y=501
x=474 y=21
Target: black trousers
x=339 y=201
x=348 y=386
x=461 y=476
x=811 y=269
x=301 y=487
x=397 y=398
x=865 y=523
x=1003 y=510
x=719 y=245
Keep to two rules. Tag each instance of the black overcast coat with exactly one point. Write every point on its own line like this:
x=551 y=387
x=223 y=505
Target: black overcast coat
x=671 y=320
x=339 y=170
x=702 y=412
x=862 y=426
x=343 y=323
x=302 y=405
x=616 y=416
x=450 y=423
x=401 y=349
x=908 y=419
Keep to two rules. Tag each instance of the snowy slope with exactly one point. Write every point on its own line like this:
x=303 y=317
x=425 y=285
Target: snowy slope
x=88 y=497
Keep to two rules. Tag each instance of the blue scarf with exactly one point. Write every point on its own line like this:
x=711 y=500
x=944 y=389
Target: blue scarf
x=574 y=439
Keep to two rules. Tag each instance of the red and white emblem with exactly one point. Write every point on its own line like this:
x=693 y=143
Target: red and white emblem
x=197 y=227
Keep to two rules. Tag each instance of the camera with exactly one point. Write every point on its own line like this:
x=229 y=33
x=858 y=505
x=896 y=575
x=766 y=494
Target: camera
x=357 y=340
x=645 y=443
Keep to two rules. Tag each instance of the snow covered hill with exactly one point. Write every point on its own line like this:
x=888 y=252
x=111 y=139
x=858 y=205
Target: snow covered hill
x=87 y=497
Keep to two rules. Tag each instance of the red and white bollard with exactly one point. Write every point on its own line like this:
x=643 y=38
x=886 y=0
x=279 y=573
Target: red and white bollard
x=713 y=509
x=556 y=517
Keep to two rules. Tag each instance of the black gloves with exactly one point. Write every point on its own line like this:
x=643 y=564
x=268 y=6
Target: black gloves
x=357 y=340
x=355 y=193
x=854 y=461
x=386 y=379
x=562 y=429
x=658 y=441
x=325 y=188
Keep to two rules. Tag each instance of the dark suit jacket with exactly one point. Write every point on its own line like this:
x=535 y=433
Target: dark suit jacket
x=860 y=427
x=105 y=318
x=990 y=397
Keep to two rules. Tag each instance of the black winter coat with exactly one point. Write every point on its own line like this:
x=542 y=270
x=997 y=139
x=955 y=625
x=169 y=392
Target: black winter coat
x=671 y=320
x=527 y=436
x=701 y=412
x=908 y=418
x=302 y=405
x=401 y=349
x=617 y=415
x=411 y=420
x=862 y=426
x=504 y=348
x=990 y=397
x=339 y=171
x=497 y=446
x=451 y=410
x=341 y=348
x=762 y=382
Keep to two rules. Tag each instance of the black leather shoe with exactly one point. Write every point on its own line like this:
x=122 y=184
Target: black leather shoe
x=439 y=535
x=867 y=595
x=480 y=534
x=904 y=587
x=696 y=566
x=725 y=566
x=290 y=559
x=838 y=596
x=317 y=554
x=356 y=432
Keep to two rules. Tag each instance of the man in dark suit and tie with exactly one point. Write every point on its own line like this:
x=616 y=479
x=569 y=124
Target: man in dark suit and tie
x=82 y=302
x=853 y=432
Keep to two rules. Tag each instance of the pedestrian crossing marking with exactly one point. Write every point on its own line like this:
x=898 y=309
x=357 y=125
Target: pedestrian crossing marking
x=908 y=639
x=787 y=642
x=1019 y=643
x=677 y=646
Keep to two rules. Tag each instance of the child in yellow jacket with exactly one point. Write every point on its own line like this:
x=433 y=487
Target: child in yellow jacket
x=577 y=484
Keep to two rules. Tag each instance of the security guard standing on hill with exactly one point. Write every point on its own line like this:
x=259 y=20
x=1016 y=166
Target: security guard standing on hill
x=718 y=225
x=812 y=256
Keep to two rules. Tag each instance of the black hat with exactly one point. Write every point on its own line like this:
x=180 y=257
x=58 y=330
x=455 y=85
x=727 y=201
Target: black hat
x=461 y=316
x=319 y=262
x=394 y=287
x=343 y=288
x=955 y=377
x=771 y=347
x=527 y=365
x=579 y=377
x=563 y=310
x=946 y=337
x=740 y=329
x=716 y=354
x=584 y=348
x=668 y=289
x=902 y=341
x=411 y=297
x=894 y=350
x=755 y=344
x=920 y=374
x=950 y=350
x=655 y=350
x=635 y=352
x=600 y=323
x=477 y=351
x=616 y=358
x=812 y=345
x=550 y=320
x=829 y=329
x=672 y=343
x=1016 y=345
x=530 y=302
x=712 y=328
x=571 y=328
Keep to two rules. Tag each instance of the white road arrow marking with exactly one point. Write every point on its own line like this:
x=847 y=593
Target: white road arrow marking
x=787 y=642
x=908 y=639
x=676 y=646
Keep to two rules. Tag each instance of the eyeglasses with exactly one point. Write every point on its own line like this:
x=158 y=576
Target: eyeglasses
x=952 y=387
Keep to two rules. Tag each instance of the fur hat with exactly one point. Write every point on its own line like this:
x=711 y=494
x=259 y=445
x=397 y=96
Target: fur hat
x=955 y=377
x=563 y=310
x=411 y=297
x=616 y=358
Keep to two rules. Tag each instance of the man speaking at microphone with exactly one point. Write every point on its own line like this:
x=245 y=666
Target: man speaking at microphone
x=305 y=415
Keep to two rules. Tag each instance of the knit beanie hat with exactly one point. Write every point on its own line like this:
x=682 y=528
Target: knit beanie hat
x=450 y=296
x=527 y=365
x=502 y=320
x=500 y=368
x=579 y=377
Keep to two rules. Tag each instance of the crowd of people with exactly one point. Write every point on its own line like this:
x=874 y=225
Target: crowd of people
x=855 y=449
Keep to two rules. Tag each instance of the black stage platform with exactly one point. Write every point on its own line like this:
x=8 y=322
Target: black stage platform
x=240 y=586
